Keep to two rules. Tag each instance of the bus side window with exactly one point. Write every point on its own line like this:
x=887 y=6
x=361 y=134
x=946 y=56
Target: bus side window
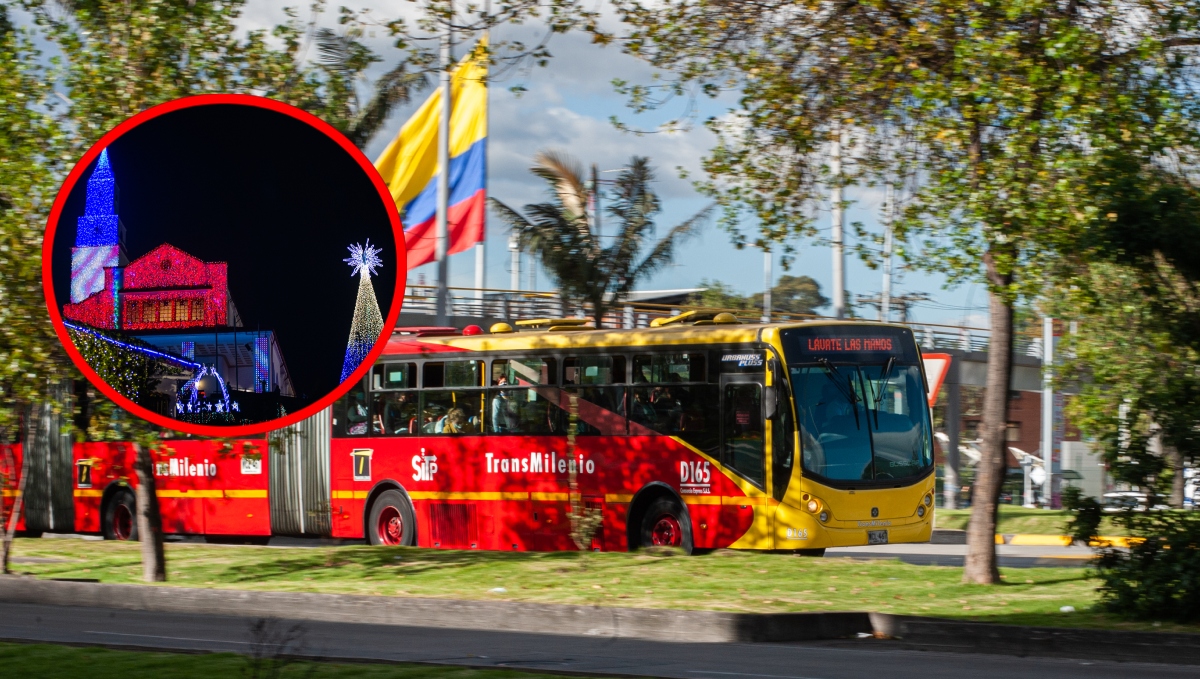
x=394 y=413
x=351 y=414
x=782 y=441
x=744 y=444
x=599 y=407
x=452 y=402
x=522 y=400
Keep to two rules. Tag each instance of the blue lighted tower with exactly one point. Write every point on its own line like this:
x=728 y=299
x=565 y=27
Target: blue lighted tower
x=368 y=322
x=99 y=234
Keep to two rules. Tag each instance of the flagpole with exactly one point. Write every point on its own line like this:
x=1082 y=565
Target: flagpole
x=481 y=246
x=443 y=187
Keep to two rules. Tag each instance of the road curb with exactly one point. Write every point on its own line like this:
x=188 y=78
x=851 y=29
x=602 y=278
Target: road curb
x=957 y=636
x=496 y=616
x=918 y=633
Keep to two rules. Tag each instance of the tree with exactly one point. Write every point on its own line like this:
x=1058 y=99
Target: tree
x=118 y=58
x=993 y=114
x=560 y=233
x=717 y=295
x=795 y=295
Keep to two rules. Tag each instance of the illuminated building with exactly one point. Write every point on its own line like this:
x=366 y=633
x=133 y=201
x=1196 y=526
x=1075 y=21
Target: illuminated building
x=176 y=303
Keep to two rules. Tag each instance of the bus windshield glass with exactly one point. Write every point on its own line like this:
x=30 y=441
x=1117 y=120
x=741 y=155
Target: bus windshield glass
x=860 y=398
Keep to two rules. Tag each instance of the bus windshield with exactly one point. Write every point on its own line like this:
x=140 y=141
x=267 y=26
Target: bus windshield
x=860 y=399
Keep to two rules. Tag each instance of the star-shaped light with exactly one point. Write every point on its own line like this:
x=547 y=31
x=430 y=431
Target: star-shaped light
x=363 y=258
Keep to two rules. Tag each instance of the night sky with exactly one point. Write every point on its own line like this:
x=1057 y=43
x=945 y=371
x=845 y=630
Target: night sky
x=276 y=199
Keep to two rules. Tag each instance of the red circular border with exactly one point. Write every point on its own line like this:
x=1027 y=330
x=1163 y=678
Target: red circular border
x=245 y=430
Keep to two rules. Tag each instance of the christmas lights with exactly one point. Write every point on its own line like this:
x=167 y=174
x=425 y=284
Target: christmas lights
x=188 y=350
x=262 y=356
x=368 y=322
x=97 y=234
x=99 y=224
x=187 y=401
x=134 y=347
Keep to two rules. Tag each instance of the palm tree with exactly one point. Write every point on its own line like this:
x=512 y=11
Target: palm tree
x=563 y=237
x=345 y=58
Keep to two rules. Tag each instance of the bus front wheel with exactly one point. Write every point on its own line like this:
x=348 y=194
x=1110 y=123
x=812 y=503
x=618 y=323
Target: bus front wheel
x=120 y=518
x=665 y=524
x=391 y=521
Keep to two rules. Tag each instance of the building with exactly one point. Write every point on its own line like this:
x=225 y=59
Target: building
x=169 y=299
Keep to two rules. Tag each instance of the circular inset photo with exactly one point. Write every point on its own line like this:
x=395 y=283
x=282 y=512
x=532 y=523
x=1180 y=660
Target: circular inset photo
x=223 y=264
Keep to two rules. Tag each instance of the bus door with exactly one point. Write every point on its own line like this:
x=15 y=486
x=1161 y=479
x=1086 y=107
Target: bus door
x=743 y=422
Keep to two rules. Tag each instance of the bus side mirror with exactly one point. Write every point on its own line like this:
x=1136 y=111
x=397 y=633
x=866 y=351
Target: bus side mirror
x=770 y=402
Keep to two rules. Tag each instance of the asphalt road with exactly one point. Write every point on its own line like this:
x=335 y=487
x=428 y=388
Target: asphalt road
x=817 y=660
x=1009 y=556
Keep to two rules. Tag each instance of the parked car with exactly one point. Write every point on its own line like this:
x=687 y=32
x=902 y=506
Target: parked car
x=1120 y=501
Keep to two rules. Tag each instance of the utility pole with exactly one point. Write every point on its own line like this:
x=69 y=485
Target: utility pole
x=1049 y=460
x=443 y=186
x=596 y=199
x=839 y=256
x=514 y=253
x=903 y=302
x=885 y=307
x=767 y=280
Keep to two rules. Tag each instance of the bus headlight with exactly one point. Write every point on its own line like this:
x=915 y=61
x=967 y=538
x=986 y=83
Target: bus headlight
x=921 y=511
x=928 y=499
x=813 y=505
x=823 y=516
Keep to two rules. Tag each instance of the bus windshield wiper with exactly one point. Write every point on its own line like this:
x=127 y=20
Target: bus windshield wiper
x=847 y=391
x=879 y=389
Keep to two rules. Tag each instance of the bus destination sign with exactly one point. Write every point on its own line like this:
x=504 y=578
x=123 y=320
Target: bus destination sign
x=836 y=344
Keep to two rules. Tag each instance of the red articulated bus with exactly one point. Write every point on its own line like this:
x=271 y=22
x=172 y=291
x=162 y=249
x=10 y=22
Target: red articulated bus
x=699 y=433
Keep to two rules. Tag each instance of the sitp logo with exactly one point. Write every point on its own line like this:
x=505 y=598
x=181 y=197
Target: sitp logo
x=424 y=466
x=362 y=463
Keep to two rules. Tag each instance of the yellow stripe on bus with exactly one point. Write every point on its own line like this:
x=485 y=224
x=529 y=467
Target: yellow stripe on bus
x=466 y=495
x=246 y=494
x=550 y=497
x=10 y=493
x=617 y=499
x=702 y=499
x=350 y=494
x=190 y=494
x=90 y=492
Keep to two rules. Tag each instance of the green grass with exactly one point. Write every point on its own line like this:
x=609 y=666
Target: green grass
x=724 y=580
x=1021 y=520
x=48 y=661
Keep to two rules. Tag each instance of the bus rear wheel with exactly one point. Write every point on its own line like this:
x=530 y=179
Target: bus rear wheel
x=391 y=521
x=120 y=518
x=665 y=524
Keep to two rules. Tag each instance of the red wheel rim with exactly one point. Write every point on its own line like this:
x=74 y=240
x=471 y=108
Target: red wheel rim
x=122 y=522
x=390 y=526
x=666 y=532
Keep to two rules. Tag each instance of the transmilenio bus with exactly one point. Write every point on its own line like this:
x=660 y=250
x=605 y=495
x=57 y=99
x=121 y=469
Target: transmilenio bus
x=700 y=433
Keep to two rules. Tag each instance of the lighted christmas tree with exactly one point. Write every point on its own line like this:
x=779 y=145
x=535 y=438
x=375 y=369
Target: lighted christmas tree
x=368 y=322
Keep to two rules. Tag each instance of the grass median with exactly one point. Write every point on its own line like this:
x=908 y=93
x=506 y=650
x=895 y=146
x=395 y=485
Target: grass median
x=724 y=580
x=1021 y=520
x=50 y=661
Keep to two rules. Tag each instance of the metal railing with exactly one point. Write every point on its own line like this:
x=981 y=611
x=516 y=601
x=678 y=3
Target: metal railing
x=510 y=305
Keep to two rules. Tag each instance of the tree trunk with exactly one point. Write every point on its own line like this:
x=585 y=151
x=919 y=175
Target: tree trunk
x=1175 y=462
x=154 y=563
x=9 y=528
x=980 y=566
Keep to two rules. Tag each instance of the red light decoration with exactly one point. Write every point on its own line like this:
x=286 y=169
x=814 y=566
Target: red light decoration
x=472 y=330
x=165 y=289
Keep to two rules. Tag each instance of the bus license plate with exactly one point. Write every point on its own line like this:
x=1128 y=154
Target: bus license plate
x=877 y=537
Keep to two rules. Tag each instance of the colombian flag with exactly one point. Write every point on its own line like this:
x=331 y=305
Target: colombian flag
x=409 y=165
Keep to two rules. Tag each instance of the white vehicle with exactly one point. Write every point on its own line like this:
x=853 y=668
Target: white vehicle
x=1127 y=500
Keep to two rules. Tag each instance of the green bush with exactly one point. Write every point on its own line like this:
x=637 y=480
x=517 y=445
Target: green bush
x=1158 y=576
